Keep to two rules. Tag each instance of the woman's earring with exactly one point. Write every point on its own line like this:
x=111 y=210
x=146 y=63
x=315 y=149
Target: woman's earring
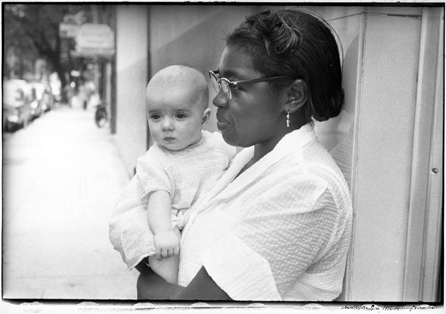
x=288 y=119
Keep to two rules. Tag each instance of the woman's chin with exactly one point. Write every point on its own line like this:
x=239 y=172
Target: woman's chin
x=231 y=139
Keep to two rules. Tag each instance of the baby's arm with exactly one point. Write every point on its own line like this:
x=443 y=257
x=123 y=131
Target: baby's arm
x=159 y=217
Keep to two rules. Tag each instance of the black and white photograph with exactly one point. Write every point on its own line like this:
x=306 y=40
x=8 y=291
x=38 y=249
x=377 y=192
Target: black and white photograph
x=222 y=155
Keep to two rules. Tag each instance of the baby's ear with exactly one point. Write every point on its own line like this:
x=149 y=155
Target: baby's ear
x=205 y=118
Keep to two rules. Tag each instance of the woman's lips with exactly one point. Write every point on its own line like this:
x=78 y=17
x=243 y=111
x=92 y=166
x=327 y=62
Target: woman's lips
x=222 y=124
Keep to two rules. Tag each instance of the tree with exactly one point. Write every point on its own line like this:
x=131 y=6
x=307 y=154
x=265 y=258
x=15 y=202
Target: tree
x=19 y=52
x=32 y=31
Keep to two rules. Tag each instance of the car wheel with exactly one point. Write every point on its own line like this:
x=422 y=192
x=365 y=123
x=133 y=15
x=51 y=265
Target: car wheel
x=101 y=118
x=9 y=126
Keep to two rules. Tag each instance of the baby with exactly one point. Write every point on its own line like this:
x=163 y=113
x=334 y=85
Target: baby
x=183 y=162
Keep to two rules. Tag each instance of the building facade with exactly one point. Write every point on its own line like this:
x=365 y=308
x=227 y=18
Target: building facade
x=387 y=140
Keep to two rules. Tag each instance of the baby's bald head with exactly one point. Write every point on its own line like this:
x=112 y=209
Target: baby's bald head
x=180 y=77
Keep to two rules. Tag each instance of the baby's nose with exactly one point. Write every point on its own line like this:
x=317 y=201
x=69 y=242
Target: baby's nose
x=167 y=124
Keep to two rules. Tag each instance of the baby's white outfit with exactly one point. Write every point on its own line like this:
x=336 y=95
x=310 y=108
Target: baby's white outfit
x=184 y=174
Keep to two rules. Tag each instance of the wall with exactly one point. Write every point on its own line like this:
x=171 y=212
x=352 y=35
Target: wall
x=385 y=140
x=374 y=139
x=192 y=35
x=387 y=130
x=151 y=37
x=131 y=80
x=384 y=148
x=337 y=134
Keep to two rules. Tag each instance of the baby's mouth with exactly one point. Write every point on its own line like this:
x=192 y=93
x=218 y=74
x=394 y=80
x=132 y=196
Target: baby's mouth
x=169 y=139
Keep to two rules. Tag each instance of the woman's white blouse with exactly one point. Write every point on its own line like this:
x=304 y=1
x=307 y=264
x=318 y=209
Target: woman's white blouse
x=279 y=231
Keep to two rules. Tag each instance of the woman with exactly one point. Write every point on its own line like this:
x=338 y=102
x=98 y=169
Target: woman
x=277 y=225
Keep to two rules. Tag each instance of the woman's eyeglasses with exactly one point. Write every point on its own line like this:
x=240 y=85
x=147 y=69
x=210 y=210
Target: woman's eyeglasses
x=227 y=85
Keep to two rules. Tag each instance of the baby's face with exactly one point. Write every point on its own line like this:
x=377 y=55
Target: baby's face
x=174 y=117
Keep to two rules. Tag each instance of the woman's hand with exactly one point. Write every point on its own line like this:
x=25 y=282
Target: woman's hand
x=166 y=244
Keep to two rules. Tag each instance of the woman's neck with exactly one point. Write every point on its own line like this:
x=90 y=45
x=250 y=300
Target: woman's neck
x=261 y=149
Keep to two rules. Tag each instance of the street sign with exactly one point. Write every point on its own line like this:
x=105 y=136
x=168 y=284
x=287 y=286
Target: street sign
x=95 y=40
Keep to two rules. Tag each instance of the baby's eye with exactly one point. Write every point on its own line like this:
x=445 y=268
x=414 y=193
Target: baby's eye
x=155 y=117
x=180 y=116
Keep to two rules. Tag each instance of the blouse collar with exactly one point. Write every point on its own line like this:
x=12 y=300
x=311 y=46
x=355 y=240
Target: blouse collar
x=230 y=183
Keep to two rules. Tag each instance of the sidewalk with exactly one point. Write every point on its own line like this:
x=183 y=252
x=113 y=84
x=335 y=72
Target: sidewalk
x=61 y=178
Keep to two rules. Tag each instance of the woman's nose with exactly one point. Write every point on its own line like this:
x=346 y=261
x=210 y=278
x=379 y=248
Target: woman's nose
x=220 y=100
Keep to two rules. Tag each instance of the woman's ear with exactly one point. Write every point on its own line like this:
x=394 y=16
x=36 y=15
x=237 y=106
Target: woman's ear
x=297 y=96
x=205 y=118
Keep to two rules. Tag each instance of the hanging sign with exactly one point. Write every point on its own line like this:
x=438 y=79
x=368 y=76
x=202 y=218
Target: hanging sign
x=71 y=23
x=95 y=40
x=67 y=30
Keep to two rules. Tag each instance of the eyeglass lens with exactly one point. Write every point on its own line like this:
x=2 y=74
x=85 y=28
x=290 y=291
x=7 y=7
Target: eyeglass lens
x=221 y=83
x=226 y=87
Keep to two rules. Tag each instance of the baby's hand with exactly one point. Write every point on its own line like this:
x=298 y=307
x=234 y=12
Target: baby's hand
x=166 y=244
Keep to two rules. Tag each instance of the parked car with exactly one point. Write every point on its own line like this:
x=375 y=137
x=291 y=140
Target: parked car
x=34 y=103
x=44 y=96
x=16 y=106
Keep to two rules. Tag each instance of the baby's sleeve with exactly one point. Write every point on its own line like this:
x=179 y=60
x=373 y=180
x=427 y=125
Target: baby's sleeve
x=129 y=231
x=153 y=176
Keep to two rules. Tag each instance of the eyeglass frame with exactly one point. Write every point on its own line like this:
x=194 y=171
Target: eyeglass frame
x=231 y=84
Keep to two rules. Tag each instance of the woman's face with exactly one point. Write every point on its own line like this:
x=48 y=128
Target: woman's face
x=254 y=114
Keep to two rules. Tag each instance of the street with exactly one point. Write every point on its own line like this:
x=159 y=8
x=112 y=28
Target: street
x=61 y=178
